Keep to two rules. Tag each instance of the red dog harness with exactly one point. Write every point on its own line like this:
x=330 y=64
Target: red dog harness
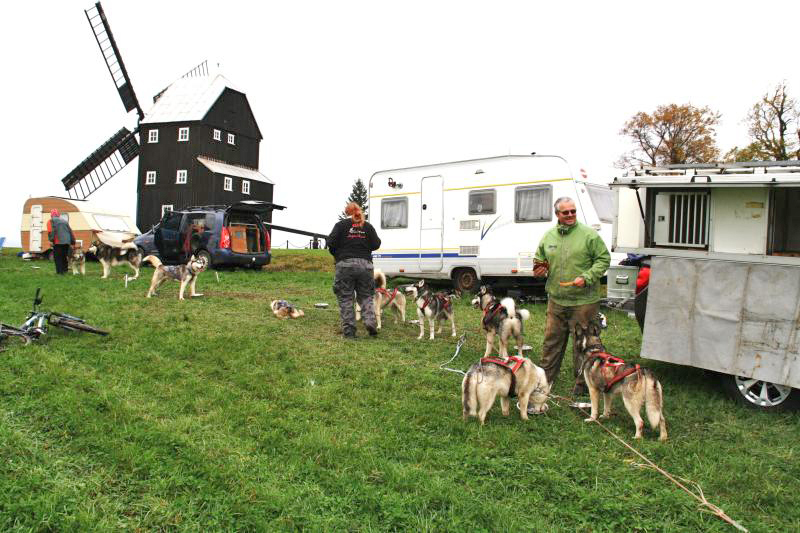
x=615 y=365
x=444 y=300
x=512 y=363
x=490 y=312
x=387 y=294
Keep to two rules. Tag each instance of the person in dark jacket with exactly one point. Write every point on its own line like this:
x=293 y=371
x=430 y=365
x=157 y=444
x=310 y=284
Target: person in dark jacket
x=351 y=243
x=62 y=239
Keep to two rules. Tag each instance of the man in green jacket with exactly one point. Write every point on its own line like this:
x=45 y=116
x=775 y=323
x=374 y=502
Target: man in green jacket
x=574 y=258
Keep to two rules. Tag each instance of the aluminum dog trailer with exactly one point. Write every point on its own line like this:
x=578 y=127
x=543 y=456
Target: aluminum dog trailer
x=724 y=292
x=476 y=220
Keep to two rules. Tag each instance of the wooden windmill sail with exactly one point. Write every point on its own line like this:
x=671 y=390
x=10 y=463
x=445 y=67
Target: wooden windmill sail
x=122 y=148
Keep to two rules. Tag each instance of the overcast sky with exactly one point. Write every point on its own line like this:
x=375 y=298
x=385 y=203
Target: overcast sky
x=344 y=89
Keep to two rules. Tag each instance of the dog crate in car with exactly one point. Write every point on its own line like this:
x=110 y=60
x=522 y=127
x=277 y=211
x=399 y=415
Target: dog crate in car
x=621 y=282
x=245 y=238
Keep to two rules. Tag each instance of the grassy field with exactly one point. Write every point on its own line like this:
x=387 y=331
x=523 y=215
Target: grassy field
x=210 y=414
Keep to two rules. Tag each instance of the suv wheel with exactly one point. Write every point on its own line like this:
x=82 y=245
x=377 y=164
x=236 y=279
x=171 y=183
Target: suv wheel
x=205 y=255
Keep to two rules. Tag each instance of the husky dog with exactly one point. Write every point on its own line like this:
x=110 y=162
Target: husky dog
x=500 y=319
x=506 y=376
x=186 y=274
x=77 y=260
x=111 y=256
x=609 y=375
x=283 y=309
x=394 y=299
x=435 y=306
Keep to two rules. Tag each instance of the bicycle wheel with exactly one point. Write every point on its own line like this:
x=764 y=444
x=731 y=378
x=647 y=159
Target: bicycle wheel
x=7 y=331
x=78 y=326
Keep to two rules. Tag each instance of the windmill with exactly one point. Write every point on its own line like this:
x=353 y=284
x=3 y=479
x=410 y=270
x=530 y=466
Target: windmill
x=122 y=148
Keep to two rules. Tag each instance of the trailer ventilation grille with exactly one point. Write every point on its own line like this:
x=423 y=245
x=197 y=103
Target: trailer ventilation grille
x=470 y=225
x=468 y=250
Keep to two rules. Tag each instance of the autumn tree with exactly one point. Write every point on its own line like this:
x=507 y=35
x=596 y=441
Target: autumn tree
x=358 y=195
x=773 y=124
x=672 y=134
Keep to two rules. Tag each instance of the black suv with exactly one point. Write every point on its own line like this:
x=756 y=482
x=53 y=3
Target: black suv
x=233 y=235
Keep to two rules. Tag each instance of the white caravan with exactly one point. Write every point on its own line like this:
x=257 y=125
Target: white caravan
x=724 y=292
x=476 y=220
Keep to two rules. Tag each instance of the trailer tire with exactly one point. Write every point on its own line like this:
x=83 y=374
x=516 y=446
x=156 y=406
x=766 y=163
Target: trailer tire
x=465 y=279
x=640 y=307
x=761 y=395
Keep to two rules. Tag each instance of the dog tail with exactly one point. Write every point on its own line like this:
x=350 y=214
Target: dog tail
x=380 y=278
x=469 y=394
x=153 y=260
x=654 y=405
x=510 y=306
x=524 y=314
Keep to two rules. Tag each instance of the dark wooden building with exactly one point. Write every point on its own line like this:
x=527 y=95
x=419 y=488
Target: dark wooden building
x=199 y=146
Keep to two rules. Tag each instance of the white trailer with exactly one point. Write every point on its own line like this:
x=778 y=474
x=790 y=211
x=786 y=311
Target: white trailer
x=724 y=292
x=476 y=220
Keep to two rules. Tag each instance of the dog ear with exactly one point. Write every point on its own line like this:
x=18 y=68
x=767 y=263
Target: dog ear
x=421 y=283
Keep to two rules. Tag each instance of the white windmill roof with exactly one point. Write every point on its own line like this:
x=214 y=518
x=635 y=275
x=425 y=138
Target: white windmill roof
x=187 y=99
x=226 y=169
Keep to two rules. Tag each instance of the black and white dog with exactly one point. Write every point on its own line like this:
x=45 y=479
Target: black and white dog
x=185 y=274
x=77 y=260
x=112 y=256
x=501 y=319
x=435 y=306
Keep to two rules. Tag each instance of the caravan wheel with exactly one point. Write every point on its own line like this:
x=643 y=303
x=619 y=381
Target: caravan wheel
x=763 y=395
x=465 y=279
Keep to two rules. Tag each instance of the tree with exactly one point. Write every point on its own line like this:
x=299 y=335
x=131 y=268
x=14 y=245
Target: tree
x=774 y=127
x=672 y=134
x=358 y=195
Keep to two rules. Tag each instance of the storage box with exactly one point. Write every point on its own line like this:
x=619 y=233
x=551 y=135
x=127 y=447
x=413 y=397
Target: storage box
x=621 y=282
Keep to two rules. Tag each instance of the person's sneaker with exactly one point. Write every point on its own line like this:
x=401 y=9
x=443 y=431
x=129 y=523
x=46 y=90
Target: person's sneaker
x=371 y=330
x=349 y=335
x=579 y=390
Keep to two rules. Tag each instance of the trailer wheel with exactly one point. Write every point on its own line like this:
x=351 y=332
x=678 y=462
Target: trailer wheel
x=762 y=395
x=640 y=307
x=465 y=279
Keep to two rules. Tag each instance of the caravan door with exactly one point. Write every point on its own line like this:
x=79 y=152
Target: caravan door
x=431 y=224
x=35 y=241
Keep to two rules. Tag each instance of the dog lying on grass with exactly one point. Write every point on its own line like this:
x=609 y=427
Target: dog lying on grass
x=185 y=274
x=607 y=375
x=500 y=319
x=507 y=377
x=283 y=309
x=393 y=299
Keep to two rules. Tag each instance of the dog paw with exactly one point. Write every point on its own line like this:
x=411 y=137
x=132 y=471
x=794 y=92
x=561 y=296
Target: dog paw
x=590 y=419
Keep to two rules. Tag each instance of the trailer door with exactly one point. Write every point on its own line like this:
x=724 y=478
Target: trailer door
x=431 y=223
x=35 y=242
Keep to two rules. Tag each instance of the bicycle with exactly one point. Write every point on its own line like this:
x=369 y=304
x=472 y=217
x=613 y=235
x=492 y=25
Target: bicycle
x=38 y=321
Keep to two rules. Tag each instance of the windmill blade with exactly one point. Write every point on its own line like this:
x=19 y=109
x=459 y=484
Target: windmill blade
x=102 y=165
x=108 y=47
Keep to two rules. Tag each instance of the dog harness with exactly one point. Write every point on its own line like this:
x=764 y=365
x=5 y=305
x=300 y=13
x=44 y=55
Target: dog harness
x=490 y=312
x=387 y=294
x=443 y=300
x=512 y=364
x=617 y=366
x=280 y=304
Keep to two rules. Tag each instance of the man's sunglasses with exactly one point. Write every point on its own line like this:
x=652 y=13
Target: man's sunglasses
x=568 y=212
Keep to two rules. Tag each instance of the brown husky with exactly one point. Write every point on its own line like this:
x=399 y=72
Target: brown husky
x=609 y=375
x=394 y=299
x=506 y=376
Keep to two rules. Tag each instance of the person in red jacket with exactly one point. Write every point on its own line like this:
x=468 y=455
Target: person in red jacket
x=62 y=239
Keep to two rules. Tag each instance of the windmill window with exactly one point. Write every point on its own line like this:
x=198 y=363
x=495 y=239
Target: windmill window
x=228 y=185
x=166 y=209
x=217 y=135
x=245 y=186
x=151 y=178
x=152 y=136
x=181 y=177
x=183 y=134
x=231 y=138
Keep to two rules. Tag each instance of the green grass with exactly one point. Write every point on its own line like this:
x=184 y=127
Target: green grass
x=210 y=414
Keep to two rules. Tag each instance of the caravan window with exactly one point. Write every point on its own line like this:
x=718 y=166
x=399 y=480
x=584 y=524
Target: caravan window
x=533 y=203
x=111 y=223
x=603 y=202
x=482 y=202
x=394 y=213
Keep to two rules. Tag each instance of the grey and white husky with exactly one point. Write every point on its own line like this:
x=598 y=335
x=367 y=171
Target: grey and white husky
x=435 y=306
x=607 y=375
x=500 y=319
x=77 y=261
x=507 y=377
x=112 y=256
x=185 y=274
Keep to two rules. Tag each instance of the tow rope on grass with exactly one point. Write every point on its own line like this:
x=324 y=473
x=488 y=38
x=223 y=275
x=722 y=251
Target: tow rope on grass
x=459 y=344
x=705 y=505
